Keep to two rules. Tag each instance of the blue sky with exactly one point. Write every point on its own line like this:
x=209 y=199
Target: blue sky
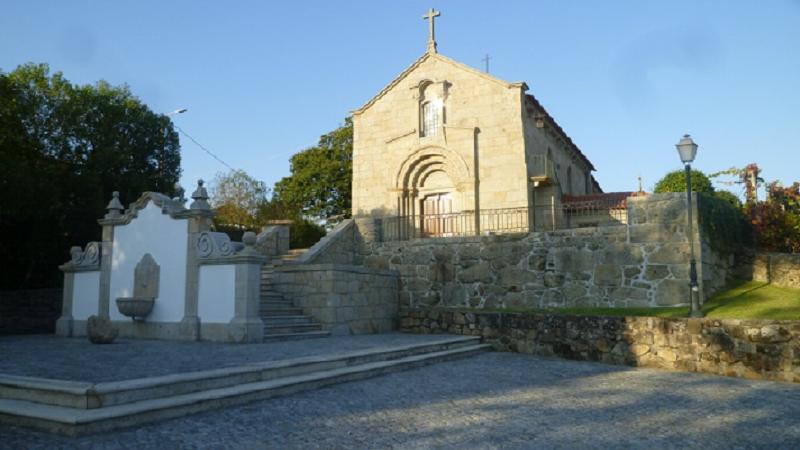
x=262 y=80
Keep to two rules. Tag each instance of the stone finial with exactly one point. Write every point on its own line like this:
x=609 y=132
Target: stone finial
x=200 y=197
x=249 y=239
x=180 y=194
x=114 y=207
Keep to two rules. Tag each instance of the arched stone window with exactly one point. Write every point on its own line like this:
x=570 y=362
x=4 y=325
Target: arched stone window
x=569 y=180
x=430 y=106
x=587 y=180
x=430 y=119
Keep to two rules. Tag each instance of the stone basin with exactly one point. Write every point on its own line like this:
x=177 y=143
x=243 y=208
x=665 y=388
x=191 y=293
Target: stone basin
x=136 y=308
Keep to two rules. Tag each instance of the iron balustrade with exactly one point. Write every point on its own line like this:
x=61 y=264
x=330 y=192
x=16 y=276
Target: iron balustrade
x=503 y=220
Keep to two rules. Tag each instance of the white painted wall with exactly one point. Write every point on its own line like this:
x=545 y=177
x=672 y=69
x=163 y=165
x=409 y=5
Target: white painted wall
x=165 y=239
x=85 y=295
x=215 y=302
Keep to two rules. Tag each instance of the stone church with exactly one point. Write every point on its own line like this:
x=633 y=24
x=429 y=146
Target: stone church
x=445 y=140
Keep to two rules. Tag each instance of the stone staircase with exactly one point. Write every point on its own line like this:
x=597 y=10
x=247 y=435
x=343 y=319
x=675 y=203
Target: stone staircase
x=282 y=319
x=73 y=407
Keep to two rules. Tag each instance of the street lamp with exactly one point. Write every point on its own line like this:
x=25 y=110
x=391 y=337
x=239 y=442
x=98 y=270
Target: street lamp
x=687 y=150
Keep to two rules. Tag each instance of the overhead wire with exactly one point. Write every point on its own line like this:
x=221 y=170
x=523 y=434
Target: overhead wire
x=210 y=153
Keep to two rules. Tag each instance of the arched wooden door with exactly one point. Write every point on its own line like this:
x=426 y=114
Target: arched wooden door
x=437 y=215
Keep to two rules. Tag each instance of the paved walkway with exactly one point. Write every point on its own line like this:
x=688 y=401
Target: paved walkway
x=495 y=400
x=76 y=359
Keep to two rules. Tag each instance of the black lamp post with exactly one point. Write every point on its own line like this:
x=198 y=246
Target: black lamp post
x=687 y=149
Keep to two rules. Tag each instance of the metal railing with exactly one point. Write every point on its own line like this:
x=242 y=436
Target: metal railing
x=501 y=221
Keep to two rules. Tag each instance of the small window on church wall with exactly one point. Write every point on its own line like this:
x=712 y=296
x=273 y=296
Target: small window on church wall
x=430 y=119
x=587 y=183
x=569 y=180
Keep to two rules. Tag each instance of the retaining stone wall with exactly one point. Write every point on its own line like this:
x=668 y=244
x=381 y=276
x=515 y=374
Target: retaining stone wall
x=755 y=349
x=780 y=269
x=32 y=311
x=643 y=264
x=343 y=298
x=337 y=247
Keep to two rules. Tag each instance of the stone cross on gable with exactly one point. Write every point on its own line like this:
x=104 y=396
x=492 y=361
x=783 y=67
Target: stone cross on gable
x=431 y=39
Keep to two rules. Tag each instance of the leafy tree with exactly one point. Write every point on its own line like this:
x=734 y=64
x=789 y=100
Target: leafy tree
x=676 y=182
x=63 y=149
x=238 y=199
x=321 y=177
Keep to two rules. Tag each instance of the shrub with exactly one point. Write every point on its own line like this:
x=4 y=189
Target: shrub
x=676 y=182
x=724 y=223
x=729 y=197
x=776 y=221
x=304 y=234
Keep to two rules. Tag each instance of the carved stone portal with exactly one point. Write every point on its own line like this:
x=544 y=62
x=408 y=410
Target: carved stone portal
x=145 y=289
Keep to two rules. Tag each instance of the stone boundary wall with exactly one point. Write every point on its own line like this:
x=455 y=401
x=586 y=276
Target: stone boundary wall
x=780 y=269
x=754 y=349
x=345 y=299
x=31 y=311
x=642 y=264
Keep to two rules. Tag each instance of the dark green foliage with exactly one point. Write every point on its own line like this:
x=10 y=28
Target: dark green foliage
x=304 y=234
x=725 y=225
x=729 y=197
x=321 y=179
x=676 y=182
x=63 y=149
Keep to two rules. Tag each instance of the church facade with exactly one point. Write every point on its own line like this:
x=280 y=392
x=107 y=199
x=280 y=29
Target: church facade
x=443 y=139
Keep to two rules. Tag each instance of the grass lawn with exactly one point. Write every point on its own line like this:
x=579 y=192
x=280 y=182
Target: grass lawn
x=749 y=300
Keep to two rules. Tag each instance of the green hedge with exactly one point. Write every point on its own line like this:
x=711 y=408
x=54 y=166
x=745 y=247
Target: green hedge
x=725 y=225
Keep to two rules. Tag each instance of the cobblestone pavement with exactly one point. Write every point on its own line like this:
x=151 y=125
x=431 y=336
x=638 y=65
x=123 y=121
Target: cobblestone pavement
x=494 y=400
x=76 y=359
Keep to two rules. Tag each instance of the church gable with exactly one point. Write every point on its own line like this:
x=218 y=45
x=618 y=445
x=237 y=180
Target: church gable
x=419 y=136
x=433 y=93
x=445 y=137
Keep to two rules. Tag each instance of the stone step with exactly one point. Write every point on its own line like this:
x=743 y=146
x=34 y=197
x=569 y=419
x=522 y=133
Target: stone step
x=132 y=402
x=290 y=328
x=279 y=337
x=277 y=311
x=83 y=395
x=276 y=304
x=273 y=321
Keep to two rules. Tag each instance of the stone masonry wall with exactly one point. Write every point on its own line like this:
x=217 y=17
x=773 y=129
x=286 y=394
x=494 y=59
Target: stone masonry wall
x=643 y=264
x=336 y=247
x=756 y=349
x=32 y=311
x=343 y=298
x=780 y=269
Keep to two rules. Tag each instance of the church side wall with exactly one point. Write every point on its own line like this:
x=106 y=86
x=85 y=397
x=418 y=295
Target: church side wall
x=537 y=143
